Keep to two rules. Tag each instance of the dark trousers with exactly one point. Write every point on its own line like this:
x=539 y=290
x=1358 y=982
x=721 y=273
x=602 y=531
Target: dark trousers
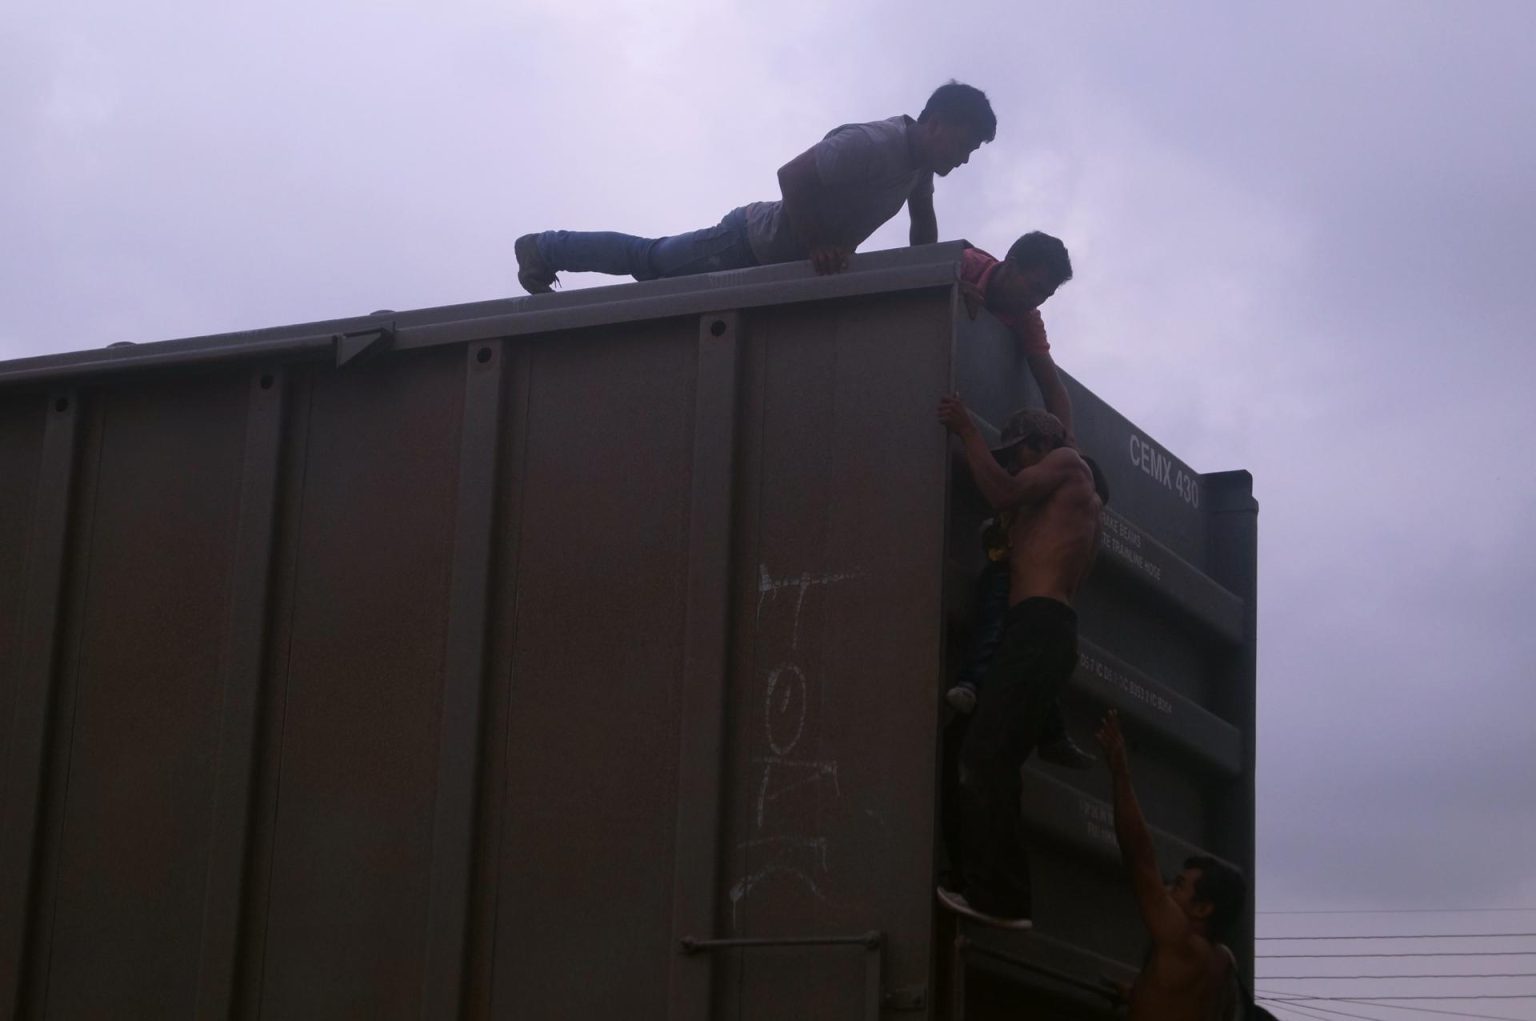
x=1017 y=698
x=987 y=632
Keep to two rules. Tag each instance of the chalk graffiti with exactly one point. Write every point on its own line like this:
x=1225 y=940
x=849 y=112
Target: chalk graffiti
x=789 y=690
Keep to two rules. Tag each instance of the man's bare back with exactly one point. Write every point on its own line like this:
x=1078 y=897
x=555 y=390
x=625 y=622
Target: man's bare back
x=1053 y=542
x=1173 y=987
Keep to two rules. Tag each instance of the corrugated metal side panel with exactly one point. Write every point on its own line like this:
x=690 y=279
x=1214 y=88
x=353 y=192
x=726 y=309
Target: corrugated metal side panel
x=121 y=876
x=443 y=682
x=595 y=530
x=261 y=639
x=21 y=441
x=42 y=451
x=836 y=652
x=345 y=825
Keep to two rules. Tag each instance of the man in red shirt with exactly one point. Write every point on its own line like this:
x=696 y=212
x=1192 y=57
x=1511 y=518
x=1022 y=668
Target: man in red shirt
x=1013 y=290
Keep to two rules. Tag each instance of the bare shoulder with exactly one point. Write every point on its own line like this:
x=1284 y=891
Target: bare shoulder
x=1067 y=460
x=1181 y=966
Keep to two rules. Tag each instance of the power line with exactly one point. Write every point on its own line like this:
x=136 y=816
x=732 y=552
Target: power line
x=1510 y=974
x=1396 y=911
x=1287 y=1005
x=1306 y=1011
x=1465 y=996
x=1321 y=1013
x=1417 y=935
x=1277 y=998
x=1318 y=1013
x=1426 y=953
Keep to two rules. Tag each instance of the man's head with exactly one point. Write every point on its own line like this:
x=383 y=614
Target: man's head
x=1211 y=895
x=1035 y=266
x=1029 y=435
x=953 y=125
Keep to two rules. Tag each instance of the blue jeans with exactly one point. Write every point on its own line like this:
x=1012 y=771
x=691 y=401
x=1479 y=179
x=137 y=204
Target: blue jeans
x=987 y=623
x=723 y=246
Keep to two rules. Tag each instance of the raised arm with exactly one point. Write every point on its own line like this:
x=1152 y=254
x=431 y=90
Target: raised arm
x=925 y=222
x=1162 y=917
x=800 y=184
x=1054 y=392
x=1002 y=489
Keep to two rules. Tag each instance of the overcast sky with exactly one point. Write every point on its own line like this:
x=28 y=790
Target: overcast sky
x=1303 y=237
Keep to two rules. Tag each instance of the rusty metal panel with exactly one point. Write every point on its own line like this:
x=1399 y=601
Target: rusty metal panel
x=706 y=639
x=587 y=820
x=31 y=677
x=22 y=423
x=123 y=864
x=577 y=655
x=242 y=660
x=836 y=651
x=463 y=683
x=358 y=681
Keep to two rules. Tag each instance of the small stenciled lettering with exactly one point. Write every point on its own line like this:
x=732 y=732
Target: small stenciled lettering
x=1095 y=667
x=1098 y=821
x=1120 y=547
x=1123 y=529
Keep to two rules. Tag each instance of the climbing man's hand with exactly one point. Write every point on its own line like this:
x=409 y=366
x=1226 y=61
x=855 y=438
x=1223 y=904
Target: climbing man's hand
x=954 y=417
x=1112 y=741
x=829 y=258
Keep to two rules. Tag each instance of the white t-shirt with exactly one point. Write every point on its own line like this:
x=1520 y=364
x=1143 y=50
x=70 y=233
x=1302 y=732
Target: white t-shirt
x=867 y=173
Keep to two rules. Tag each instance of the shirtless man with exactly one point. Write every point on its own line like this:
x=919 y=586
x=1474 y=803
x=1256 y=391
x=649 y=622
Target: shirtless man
x=1052 y=537
x=1189 y=975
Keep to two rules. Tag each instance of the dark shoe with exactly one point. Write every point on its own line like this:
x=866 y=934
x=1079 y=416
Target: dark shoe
x=1065 y=753
x=957 y=903
x=962 y=699
x=532 y=271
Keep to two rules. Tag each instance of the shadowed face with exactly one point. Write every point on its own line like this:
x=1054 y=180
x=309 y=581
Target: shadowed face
x=1182 y=890
x=949 y=145
x=1014 y=289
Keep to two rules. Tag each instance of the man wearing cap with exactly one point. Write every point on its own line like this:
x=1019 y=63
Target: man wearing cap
x=991 y=601
x=1051 y=506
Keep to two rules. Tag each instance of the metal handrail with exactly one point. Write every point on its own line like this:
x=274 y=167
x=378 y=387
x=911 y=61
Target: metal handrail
x=871 y=942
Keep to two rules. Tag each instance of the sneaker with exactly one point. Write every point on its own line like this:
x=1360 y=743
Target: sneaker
x=962 y=699
x=532 y=271
x=1065 y=753
x=957 y=903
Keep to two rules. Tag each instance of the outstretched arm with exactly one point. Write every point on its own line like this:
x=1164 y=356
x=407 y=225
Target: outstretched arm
x=925 y=222
x=1002 y=490
x=1052 y=390
x=1159 y=913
